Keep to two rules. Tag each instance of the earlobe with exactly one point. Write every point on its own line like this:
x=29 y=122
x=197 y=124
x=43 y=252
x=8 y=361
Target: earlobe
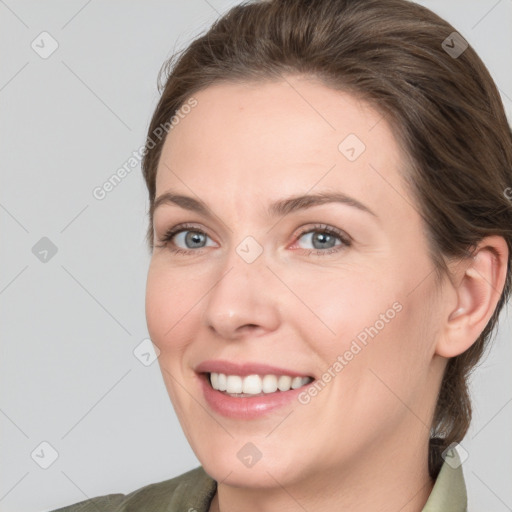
x=478 y=287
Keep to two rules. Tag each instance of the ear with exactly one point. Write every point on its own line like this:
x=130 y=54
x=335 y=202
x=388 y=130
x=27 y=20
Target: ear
x=478 y=283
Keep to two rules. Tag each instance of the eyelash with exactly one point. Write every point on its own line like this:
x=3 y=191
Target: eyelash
x=322 y=228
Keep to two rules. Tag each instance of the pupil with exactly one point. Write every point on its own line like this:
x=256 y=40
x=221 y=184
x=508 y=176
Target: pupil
x=322 y=237
x=194 y=238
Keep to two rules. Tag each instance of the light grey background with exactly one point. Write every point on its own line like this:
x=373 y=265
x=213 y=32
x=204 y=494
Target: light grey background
x=68 y=373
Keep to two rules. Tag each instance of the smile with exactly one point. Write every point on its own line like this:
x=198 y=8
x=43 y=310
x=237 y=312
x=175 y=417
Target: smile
x=249 y=390
x=255 y=385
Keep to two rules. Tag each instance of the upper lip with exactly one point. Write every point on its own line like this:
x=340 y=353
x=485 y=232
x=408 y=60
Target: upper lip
x=242 y=369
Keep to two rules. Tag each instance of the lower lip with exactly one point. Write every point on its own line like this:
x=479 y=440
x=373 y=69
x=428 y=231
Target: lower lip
x=246 y=407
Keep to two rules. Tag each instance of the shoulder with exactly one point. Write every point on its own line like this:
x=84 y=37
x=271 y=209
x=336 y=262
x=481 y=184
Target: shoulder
x=193 y=489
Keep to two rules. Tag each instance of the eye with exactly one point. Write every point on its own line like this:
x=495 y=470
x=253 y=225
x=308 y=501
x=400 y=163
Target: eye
x=189 y=236
x=324 y=239
x=188 y=239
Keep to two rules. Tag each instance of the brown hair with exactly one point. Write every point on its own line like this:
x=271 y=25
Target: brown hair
x=445 y=111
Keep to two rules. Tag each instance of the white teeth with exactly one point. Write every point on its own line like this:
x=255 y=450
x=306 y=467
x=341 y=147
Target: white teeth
x=255 y=384
x=234 y=384
x=252 y=384
x=269 y=384
x=284 y=383
x=296 y=382
x=221 y=382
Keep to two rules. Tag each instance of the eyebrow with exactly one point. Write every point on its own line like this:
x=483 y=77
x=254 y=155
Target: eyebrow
x=281 y=207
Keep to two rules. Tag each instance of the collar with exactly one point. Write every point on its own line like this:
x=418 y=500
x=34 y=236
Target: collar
x=449 y=491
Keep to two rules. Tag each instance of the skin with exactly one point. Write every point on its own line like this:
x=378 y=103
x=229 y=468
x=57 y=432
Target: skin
x=362 y=443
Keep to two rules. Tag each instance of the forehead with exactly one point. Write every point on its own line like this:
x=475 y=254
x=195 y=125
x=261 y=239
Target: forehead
x=283 y=135
x=296 y=113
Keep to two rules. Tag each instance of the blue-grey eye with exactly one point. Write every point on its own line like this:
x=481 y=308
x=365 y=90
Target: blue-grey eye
x=321 y=239
x=191 y=239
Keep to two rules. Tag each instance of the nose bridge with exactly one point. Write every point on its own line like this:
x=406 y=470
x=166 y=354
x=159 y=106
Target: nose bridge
x=241 y=294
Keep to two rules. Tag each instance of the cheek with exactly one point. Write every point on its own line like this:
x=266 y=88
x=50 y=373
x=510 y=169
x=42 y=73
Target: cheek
x=392 y=367
x=371 y=320
x=170 y=307
x=349 y=305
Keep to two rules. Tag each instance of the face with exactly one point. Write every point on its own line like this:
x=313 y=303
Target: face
x=328 y=294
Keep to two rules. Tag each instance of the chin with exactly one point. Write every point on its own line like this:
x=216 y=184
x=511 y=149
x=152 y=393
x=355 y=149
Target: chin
x=237 y=475
x=243 y=467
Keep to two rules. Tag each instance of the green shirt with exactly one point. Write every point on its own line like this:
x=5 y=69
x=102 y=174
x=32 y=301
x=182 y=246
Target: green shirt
x=194 y=490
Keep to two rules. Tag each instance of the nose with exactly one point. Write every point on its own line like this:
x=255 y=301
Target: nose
x=243 y=301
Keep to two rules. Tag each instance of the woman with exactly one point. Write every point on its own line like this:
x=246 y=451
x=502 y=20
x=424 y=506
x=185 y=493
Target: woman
x=330 y=240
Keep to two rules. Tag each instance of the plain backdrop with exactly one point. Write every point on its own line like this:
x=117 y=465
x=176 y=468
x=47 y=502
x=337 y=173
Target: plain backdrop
x=74 y=395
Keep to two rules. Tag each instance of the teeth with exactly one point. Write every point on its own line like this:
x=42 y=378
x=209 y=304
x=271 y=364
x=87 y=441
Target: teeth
x=221 y=382
x=269 y=384
x=297 y=382
x=214 y=380
x=252 y=384
x=234 y=384
x=255 y=384
x=284 y=383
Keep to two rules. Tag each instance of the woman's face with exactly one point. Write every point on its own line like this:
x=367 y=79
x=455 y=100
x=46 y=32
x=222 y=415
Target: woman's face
x=339 y=291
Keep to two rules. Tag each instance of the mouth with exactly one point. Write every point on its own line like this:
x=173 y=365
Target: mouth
x=249 y=390
x=254 y=385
